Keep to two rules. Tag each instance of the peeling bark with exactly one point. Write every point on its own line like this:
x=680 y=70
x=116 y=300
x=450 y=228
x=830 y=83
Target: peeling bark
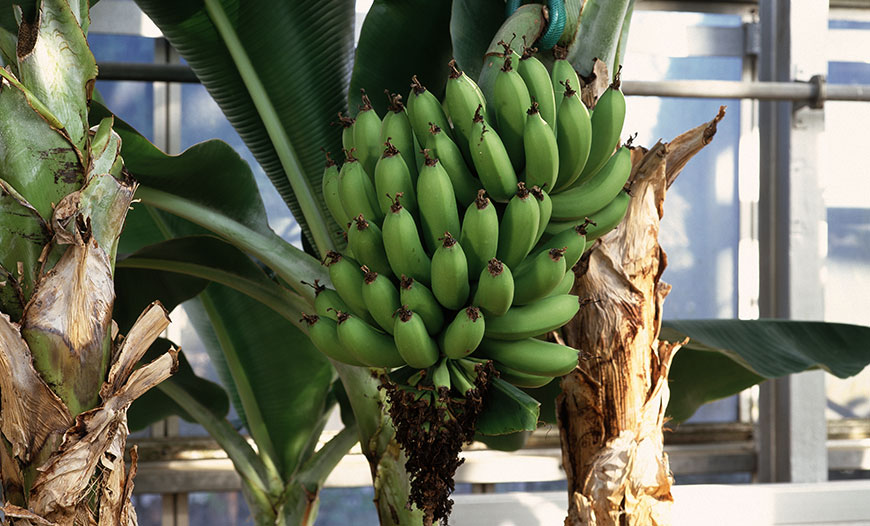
x=612 y=405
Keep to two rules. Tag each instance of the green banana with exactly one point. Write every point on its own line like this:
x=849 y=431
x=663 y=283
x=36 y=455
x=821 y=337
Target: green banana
x=520 y=379
x=510 y=101
x=495 y=289
x=367 y=136
x=417 y=348
x=327 y=301
x=402 y=244
x=330 y=188
x=464 y=333
x=322 y=332
x=465 y=184
x=391 y=177
x=423 y=110
x=357 y=191
x=436 y=202
x=491 y=160
x=479 y=237
x=608 y=116
x=420 y=299
x=381 y=298
x=530 y=320
x=346 y=124
x=367 y=243
x=518 y=229
x=531 y=356
x=593 y=195
x=538 y=275
x=563 y=73
x=459 y=380
x=366 y=343
x=537 y=79
x=462 y=97
x=545 y=204
x=347 y=278
x=573 y=136
x=396 y=127
x=565 y=286
x=542 y=151
x=572 y=239
x=608 y=217
x=450 y=274
x=441 y=377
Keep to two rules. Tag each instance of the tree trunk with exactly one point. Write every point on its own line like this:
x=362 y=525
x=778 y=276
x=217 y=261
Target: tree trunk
x=612 y=405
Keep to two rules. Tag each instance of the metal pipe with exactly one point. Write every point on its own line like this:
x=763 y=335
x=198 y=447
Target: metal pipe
x=707 y=89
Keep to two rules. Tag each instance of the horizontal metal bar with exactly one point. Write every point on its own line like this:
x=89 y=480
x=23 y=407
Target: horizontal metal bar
x=724 y=89
x=145 y=72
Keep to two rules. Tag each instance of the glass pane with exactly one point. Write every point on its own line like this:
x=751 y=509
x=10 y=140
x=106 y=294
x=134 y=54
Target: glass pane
x=149 y=509
x=846 y=194
x=218 y=509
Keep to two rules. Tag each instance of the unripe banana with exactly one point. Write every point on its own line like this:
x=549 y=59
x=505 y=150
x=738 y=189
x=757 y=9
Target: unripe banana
x=322 y=332
x=402 y=244
x=539 y=275
x=540 y=85
x=347 y=278
x=593 y=195
x=491 y=160
x=495 y=289
x=608 y=117
x=465 y=184
x=574 y=137
x=396 y=127
x=357 y=191
x=367 y=136
x=327 y=301
x=424 y=110
x=566 y=285
x=510 y=101
x=563 y=73
x=367 y=243
x=462 y=96
x=608 y=217
x=420 y=299
x=521 y=379
x=369 y=346
x=330 y=189
x=460 y=380
x=545 y=204
x=413 y=342
x=441 y=377
x=531 y=356
x=436 y=202
x=542 y=151
x=381 y=298
x=464 y=333
x=450 y=274
x=346 y=124
x=479 y=238
x=392 y=177
x=518 y=229
x=526 y=321
x=572 y=239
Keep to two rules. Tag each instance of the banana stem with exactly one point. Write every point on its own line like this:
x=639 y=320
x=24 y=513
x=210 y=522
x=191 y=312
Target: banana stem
x=311 y=211
x=598 y=36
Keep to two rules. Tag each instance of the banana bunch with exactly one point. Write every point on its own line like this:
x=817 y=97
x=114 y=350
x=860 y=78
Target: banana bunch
x=464 y=218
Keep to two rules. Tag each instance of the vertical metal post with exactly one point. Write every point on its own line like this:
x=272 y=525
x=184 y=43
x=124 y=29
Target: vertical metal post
x=792 y=427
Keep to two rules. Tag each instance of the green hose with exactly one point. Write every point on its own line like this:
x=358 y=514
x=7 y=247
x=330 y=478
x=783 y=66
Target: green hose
x=554 y=28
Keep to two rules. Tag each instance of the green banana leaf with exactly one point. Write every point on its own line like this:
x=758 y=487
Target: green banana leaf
x=279 y=72
x=726 y=356
x=155 y=405
x=399 y=39
x=507 y=410
x=473 y=23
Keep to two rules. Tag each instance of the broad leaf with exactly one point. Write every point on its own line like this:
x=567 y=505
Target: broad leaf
x=726 y=356
x=282 y=380
x=506 y=410
x=154 y=405
x=472 y=26
x=299 y=52
x=398 y=40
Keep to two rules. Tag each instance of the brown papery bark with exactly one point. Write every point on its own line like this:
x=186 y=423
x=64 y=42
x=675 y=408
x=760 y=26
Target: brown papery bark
x=612 y=405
